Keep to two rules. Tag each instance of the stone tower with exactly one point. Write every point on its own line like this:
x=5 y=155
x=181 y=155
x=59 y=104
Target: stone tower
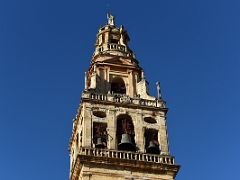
x=120 y=130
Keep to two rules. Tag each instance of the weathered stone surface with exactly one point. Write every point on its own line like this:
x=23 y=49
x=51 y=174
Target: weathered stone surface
x=115 y=88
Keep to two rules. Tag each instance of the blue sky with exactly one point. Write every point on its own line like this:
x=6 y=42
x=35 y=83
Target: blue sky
x=191 y=47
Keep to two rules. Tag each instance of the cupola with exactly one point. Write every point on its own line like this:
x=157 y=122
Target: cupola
x=112 y=40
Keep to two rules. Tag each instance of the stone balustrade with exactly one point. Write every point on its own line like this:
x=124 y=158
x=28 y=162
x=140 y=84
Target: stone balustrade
x=101 y=97
x=113 y=46
x=145 y=102
x=124 y=99
x=164 y=159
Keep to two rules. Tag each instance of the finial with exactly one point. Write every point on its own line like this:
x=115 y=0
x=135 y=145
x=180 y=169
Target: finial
x=159 y=96
x=121 y=40
x=142 y=74
x=94 y=68
x=85 y=80
x=110 y=19
x=121 y=28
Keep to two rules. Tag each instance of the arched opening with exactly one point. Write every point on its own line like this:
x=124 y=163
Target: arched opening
x=100 y=136
x=125 y=133
x=151 y=141
x=118 y=86
x=114 y=41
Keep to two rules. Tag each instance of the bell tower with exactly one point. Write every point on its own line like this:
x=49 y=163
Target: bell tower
x=119 y=131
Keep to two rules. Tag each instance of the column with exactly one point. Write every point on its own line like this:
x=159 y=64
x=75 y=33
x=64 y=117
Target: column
x=87 y=134
x=112 y=128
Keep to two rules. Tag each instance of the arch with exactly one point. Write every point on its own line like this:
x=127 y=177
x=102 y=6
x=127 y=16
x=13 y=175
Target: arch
x=125 y=135
x=151 y=141
x=100 y=136
x=118 y=86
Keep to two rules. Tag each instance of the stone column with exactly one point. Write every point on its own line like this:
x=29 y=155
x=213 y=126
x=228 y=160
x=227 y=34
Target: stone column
x=107 y=86
x=162 y=136
x=135 y=84
x=112 y=128
x=106 y=38
x=139 y=131
x=87 y=118
x=130 y=83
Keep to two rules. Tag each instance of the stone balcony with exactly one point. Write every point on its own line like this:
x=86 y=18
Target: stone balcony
x=114 y=48
x=123 y=99
x=126 y=155
x=159 y=164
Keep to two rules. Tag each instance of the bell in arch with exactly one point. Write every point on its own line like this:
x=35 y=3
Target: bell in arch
x=126 y=143
x=99 y=143
x=153 y=147
x=100 y=135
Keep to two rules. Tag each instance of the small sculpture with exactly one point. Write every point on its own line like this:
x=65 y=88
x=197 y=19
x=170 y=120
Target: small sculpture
x=142 y=74
x=159 y=96
x=121 y=36
x=85 y=87
x=110 y=19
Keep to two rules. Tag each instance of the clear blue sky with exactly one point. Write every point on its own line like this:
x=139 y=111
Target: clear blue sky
x=191 y=47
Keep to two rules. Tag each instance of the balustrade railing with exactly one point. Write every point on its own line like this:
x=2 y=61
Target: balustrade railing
x=145 y=102
x=113 y=46
x=101 y=97
x=164 y=159
x=126 y=99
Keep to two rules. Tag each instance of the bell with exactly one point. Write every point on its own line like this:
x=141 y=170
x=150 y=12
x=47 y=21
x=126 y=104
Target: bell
x=126 y=143
x=153 y=148
x=99 y=143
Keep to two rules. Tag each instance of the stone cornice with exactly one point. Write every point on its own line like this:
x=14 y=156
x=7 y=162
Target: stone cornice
x=124 y=101
x=133 y=161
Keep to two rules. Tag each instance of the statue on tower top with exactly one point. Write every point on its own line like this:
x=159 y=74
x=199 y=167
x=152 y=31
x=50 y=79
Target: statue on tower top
x=159 y=96
x=110 y=18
